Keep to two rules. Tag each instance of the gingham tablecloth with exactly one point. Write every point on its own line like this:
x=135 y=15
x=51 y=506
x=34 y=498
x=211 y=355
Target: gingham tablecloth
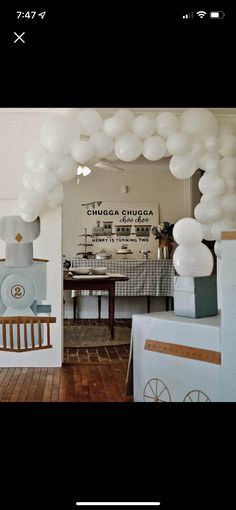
x=146 y=277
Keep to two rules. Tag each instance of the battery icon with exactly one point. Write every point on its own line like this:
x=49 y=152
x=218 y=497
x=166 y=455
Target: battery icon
x=217 y=14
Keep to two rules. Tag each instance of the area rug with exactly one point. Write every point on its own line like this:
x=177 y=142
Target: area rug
x=95 y=336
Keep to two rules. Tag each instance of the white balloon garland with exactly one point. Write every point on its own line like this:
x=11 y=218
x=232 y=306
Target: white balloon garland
x=192 y=140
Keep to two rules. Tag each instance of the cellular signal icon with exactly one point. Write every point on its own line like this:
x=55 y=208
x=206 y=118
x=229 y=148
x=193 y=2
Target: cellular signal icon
x=201 y=14
x=188 y=16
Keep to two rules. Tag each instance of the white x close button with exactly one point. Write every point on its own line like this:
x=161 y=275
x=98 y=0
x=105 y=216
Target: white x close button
x=19 y=37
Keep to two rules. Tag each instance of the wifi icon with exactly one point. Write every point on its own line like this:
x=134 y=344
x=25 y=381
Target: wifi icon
x=201 y=14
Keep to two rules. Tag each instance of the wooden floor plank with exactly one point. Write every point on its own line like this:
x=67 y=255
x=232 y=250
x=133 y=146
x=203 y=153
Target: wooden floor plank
x=70 y=383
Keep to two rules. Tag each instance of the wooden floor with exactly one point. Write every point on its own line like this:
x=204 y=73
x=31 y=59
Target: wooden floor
x=71 y=383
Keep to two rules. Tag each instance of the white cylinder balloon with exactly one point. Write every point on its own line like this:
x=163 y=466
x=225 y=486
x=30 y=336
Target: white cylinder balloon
x=178 y=143
x=82 y=151
x=103 y=144
x=114 y=127
x=166 y=124
x=90 y=121
x=154 y=148
x=183 y=167
x=128 y=147
x=143 y=126
x=187 y=232
x=194 y=260
x=127 y=116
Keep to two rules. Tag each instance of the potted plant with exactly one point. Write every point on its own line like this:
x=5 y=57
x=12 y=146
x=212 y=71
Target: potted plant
x=164 y=232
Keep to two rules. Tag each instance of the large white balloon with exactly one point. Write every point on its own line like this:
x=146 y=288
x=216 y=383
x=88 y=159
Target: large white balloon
x=227 y=145
x=40 y=160
x=187 y=232
x=198 y=121
x=221 y=226
x=211 y=184
x=214 y=210
x=102 y=144
x=179 y=143
x=166 y=124
x=65 y=169
x=30 y=201
x=114 y=127
x=154 y=148
x=200 y=213
x=143 y=126
x=90 y=121
x=58 y=134
x=212 y=143
x=128 y=147
x=183 y=167
x=28 y=180
x=55 y=197
x=228 y=167
x=82 y=151
x=127 y=116
x=194 y=260
x=207 y=233
x=43 y=183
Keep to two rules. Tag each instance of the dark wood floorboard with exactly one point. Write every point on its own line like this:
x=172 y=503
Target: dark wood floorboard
x=71 y=383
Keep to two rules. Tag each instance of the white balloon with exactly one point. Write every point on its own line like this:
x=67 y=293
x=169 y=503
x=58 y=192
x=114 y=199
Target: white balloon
x=220 y=226
x=40 y=160
x=218 y=249
x=28 y=218
x=194 y=260
x=128 y=147
x=183 y=167
x=227 y=145
x=207 y=233
x=143 y=126
x=197 y=148
x=231 y=184
x=114 y=127
x=127 y=116
x=58 y=133
x=178 y=143
x=82 y=151
x=28 y=180
x=198 y=121
x=90 y=121
x=200 y=213
x=65 y=169
x=187 y=232
x=214 y=211
x=166 y=124
x=30 y=201
x=55 y=197
x=228 y=204
x=212 y=164
x=103 y=144
x=43 y=183
x=210 y=196
x=154 y=148
x=210 y=183
x=212 y=143
x=228 y=167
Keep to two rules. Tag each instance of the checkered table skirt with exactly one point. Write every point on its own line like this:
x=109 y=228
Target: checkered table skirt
x=146 y=277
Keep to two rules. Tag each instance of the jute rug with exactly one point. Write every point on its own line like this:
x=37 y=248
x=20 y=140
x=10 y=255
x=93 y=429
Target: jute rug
x=95 y=336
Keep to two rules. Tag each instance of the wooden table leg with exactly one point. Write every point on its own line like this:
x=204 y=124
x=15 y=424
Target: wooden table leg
x=148 y=304
x=99 y=307
x=112 y=308
x=74 y=307
x=167 y=303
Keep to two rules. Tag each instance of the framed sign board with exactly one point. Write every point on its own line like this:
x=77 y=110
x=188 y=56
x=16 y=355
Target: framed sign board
x=112 y=225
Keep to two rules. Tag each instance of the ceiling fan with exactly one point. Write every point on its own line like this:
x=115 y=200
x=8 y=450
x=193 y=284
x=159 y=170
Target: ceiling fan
x=108 y=165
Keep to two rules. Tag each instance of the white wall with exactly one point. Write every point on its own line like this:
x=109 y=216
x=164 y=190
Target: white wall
x=19 y=132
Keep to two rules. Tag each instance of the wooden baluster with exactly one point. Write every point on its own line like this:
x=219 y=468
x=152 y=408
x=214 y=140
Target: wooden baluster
x=18 y=335
x=25 y=333
x=11 y=334
x=32 y=333
x=48 y=333
x=4 y=335
x=40 y=333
